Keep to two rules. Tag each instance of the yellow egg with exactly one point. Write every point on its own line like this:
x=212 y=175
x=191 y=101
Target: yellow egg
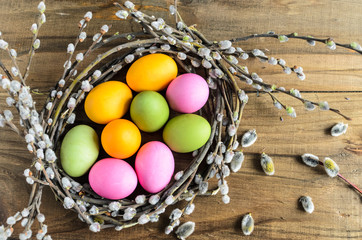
x=108 y=101
x=152 y=72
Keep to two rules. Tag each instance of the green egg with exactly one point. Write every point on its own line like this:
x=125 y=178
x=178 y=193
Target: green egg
x=149 y=111
x=79 y=150
x=186 y=133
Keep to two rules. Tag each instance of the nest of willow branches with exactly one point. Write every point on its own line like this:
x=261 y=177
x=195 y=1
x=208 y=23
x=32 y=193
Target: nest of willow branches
x=221 y=155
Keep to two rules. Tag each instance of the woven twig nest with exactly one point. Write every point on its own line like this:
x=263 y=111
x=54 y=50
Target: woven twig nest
x=222 y=154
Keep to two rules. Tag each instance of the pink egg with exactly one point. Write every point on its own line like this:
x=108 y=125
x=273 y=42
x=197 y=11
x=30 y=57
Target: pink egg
x=154 y=166
x=112 y=178
x=187 y=93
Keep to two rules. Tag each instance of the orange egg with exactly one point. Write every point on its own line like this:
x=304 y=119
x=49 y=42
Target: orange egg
x=152 y=72
x=121 y=138
x=108 y=101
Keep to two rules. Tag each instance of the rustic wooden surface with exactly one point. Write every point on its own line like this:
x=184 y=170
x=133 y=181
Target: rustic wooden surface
x=332 y=76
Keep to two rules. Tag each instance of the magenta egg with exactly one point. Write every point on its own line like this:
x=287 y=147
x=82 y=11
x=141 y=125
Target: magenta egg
x=112 y=178
x=154 y=166
x=187 y=93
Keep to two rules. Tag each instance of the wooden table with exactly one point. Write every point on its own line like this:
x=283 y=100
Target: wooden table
x=333 y=76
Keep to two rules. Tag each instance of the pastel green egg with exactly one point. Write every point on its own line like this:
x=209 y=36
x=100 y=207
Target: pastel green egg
x=149 y=111
x=79 y=150
x=186 y=133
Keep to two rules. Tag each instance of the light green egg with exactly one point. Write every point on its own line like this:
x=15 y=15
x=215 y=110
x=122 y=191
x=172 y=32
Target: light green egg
x=149 y=111
x=79 y=150
x=186 y=133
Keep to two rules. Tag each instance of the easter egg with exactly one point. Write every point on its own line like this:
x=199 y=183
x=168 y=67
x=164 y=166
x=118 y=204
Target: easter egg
x=187 y=93
x=186 y=133
x=112 y=178
x=108 y=101
x=154 y=166
x=151 y=72
x=149 y=111
x=121 y=138
x=79 y=150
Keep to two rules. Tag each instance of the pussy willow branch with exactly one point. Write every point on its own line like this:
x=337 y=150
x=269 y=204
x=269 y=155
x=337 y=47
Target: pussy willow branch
x=292 y=35
x=32 y=49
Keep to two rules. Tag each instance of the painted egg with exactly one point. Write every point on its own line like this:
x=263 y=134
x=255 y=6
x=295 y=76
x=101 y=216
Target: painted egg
x=121 y=138
x=154 y=166
x=79 y=150
x=186 y=133
x=187 y=93
x=108 y=101
x=112 y=178
x=149 y=111
x=152 y=72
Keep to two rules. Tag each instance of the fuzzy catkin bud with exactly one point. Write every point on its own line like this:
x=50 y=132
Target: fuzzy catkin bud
x=96 y=74
x=29 y=138
x=36 y=44
x=171 y=40
x=88 y=16
x=71 y=103
x=50 y=155
x=267 y=164
x=143 y=219
x=181 y=56
x=324 y=106
x=225 y=44
x=40 y=217
x=154 y=199
x=203 y=187
x=307 y=203
x=8 y=115
x=70 y=48
x=331 y=167
x=140 y=199
x=170 y=200
x=185 y=230
x=79 y=57
x=66 y=183
x=13 y=53
x=247 y=224
x=82 y=36
x=43 y=18
x=97 y=37
x=68 y=203
x=50 y=172
x=24 y=222
x=3 y=45
x=114 y=206
x=339 y=129
x=206 y=64
x=178 y=175
x=40 y=153
x=249 y=138
x=310 y=160
x=291 y=112
x=175 y=214
x=129 y=5
x=29 y=180
x=14 y=84
x=122 y=14
x=129 y=58
x=168 y=230
x=225 y=199
x=95 y=227
x=34 y=28
x=41 y=7
x=189 y=209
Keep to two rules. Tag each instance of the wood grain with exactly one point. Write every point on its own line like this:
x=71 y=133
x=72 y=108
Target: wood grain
x=332 y=76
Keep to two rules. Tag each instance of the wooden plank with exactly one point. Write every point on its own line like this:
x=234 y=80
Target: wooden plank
x=272 y=200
